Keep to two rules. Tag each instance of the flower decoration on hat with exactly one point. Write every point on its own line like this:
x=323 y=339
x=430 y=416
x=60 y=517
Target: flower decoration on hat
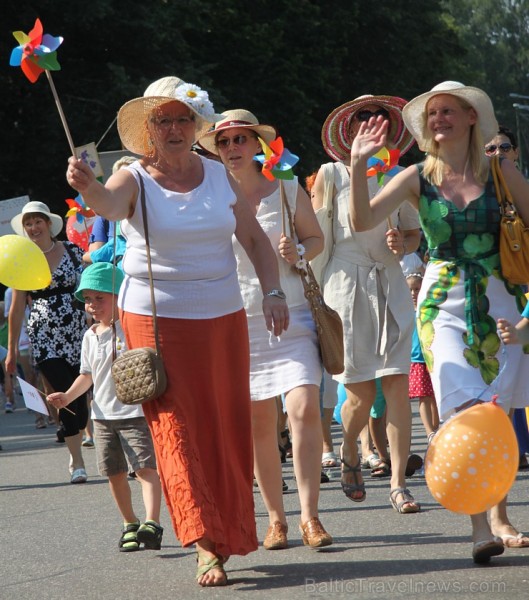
x=36 y=52
x=384 y=162
x=277 y=161
x=79 y=209
x=196 y=98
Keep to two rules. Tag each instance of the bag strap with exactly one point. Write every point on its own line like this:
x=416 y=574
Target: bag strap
x=310 y=285
x=503 y=194
x=328 y=193
x=149 y=265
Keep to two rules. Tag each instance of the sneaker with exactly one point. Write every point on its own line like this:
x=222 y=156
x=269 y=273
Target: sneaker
x=150 y=535
x=60 y=436
x=87 y=442
x=9 y=408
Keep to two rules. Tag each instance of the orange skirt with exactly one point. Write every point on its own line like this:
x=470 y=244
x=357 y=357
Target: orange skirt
x=201 y=427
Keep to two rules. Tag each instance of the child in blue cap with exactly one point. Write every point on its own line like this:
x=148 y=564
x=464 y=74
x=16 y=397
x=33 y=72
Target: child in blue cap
x=121 y=432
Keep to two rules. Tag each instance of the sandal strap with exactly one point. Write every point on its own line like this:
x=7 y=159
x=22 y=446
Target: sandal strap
x=407 y=498
x=129 y=535
x=216 y=562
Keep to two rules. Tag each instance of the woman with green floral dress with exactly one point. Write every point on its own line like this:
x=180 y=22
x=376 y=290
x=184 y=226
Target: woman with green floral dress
x=463 y=292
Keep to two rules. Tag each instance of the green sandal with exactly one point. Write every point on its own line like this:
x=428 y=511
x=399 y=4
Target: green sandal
x=128 y=542
x=205 y=566
x=150 y=535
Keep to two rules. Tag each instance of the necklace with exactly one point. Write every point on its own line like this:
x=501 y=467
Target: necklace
x=49 y=249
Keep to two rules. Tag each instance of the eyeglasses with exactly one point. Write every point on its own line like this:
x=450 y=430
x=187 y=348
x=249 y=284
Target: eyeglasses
x=238 y=140
x=505 y=147
x=167 y=122
x=365 y=115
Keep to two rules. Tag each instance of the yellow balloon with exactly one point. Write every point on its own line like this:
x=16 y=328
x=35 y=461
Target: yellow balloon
x=23 y=265
x=472 y=461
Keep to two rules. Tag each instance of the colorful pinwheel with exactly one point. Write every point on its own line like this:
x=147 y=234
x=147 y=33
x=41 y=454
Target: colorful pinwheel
x=79 y=209
x=36 y=52
x=277 y=161
x=384 y=162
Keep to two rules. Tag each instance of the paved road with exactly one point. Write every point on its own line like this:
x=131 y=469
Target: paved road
x=59 y=540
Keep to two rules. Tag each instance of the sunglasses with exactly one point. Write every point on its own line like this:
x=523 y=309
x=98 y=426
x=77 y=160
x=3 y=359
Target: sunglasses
x=365 y=115
x=238 y=140
x=505 y=147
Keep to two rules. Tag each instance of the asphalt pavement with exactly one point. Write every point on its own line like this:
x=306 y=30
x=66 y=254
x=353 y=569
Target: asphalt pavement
x=59 y=541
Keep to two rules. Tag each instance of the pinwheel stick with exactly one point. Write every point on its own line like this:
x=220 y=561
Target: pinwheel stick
x=61 y=112
x=282 y=206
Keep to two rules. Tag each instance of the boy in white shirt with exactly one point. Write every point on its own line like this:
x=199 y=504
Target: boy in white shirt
x=121 y=432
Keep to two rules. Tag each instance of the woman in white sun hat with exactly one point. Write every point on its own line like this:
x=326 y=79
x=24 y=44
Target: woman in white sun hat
x=463 y=291
x=291 y=364
x=55 y=324
x=201 y=424
x=363 y=281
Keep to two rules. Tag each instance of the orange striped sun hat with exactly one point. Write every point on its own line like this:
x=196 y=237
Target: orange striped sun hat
x=335 y=133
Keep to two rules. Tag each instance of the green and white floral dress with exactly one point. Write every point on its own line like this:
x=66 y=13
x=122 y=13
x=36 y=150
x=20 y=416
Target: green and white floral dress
x=462 y=296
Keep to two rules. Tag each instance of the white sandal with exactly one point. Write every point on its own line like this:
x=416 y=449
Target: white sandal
x=329 y=459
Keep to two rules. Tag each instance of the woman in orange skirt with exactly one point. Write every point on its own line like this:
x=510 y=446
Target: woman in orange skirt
x=201 y=424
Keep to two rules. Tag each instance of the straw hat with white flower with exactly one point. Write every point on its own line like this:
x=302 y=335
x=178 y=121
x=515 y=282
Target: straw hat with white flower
x=133 y=115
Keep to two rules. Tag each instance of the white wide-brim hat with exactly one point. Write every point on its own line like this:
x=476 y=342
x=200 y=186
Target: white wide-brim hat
x=41 y=208
x=414 y=113
x=236 y=118
x=336 y=130
x=133 y=115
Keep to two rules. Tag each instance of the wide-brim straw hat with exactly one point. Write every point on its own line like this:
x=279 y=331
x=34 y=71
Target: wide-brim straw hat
x=414 y=113
x=57 y=222
x=336 y=136
x=133 y=115
x=236 y=118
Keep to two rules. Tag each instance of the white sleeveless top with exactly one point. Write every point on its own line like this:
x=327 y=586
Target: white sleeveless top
x=193 y=264
x=270 y=219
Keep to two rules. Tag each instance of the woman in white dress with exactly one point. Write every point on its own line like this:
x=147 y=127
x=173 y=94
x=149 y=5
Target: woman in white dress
x=289 y=365
x=364 y=282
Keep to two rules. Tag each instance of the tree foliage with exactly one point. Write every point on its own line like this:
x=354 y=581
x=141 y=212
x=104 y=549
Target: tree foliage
x=290 y=63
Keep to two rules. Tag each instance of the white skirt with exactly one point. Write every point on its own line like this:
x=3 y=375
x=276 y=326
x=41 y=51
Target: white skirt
x=278 y=365
x=460 y=371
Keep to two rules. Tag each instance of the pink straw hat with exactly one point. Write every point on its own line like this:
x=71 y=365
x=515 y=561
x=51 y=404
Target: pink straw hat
x=335 y=133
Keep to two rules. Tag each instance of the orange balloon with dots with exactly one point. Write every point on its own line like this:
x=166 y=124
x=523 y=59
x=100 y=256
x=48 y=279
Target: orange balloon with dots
x=472 y=462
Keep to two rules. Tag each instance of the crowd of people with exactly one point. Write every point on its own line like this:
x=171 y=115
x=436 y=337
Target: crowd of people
x=236 y=333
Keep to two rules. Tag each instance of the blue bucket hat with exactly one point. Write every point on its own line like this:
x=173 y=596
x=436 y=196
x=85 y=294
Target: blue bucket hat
x=98 y=277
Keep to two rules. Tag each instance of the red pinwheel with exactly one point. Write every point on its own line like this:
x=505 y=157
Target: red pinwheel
x=384 y=162
x=36 y=52
x=277 y=161
x=79 y=209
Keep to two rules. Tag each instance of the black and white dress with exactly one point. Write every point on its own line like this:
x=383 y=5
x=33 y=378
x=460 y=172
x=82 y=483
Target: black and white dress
x=55 y=325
